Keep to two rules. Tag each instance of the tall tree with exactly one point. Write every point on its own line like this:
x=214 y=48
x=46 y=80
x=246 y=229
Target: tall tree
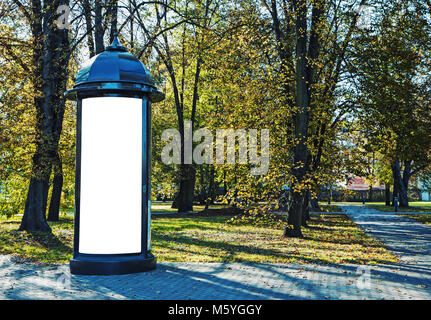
x=50 y=60
x=307 y=27
x=186 y=22
x=392 y=73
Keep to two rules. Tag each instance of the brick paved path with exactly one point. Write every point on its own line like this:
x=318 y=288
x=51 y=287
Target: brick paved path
x=180 y=281
x=409 y=239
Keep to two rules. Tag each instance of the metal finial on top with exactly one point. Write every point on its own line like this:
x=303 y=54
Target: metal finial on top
x=116 y=45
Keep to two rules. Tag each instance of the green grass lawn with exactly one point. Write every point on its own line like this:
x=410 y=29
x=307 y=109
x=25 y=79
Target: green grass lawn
x=424 y=218
x=418 y=206
x=412 y=203
x=38 y=246
x=331 y=239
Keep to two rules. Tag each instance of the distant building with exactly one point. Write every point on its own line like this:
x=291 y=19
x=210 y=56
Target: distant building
x=360 y=184
x=360 y=189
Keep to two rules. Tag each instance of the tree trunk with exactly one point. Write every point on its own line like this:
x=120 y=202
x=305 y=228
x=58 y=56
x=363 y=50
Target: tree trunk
x=388 y=194
x=224 y=183
x=131 y=28
x=54 y=206
x=113 y=12
x=60 y=83
x=293 y=230
x=404 y=198
x=35 y=207
x=203 y=174
x=314 y=203
x=396 y=183
x=401 y=182
x=213 y=191
x=50 y=60
x=306 y=209
x=88 y=22
x=210 y=191
x=175 y=201
x=34 y=218
x=394 y=194
x=370 y=193
x=187 y=187
x=204 y=185
x=300 y=153
x=99 y=31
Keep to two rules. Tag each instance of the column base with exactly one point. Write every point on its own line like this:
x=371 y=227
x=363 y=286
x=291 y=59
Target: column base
x=111 y=264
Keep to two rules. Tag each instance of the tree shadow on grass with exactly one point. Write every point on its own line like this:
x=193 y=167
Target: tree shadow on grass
x=232 y=251
x=318 y=228
x=48 y=240
x=182 y=223
x=56 y=249
x=365 y=241
x=338 y=220
x=10 y=223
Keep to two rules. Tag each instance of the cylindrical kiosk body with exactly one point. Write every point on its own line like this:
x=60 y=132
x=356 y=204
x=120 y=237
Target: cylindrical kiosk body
x=114 y=92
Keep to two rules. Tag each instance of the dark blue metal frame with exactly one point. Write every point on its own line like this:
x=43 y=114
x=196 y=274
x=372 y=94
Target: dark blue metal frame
x=110 y=264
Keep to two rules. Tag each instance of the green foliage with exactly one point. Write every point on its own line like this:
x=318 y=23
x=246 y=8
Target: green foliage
x=17 y=119
x=392 y=68
x=12 y=196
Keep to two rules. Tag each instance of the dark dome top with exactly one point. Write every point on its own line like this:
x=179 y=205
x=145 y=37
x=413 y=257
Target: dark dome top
x=114 y=71
x=114 y=65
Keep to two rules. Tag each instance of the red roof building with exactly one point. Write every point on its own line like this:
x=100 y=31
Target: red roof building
x=360 y=184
